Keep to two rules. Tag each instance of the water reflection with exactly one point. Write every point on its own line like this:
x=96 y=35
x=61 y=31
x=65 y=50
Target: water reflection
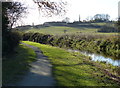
x=97 y=57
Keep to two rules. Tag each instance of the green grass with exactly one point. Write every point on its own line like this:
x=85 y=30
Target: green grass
x=59 y=30
x=55 y=30
x=104 y=23
x=17 y=64
x=74 y=69
x=100 y=24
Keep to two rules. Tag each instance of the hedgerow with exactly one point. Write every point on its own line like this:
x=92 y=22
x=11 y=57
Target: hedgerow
x=109 y=45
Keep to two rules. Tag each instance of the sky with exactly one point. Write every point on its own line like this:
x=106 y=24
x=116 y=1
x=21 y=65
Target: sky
x=84 y=8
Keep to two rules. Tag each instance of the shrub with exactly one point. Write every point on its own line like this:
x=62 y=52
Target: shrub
x=108 y=29
x=10 y=41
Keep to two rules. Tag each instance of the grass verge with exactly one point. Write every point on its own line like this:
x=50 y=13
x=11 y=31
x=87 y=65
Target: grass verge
x=17 y=65
x=75 y=69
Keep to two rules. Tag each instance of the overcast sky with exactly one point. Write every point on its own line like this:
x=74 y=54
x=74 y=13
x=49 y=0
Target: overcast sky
x=84 y=8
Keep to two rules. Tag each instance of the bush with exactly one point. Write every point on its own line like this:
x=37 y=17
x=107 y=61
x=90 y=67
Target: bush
x=108 y=29
x=10 y=41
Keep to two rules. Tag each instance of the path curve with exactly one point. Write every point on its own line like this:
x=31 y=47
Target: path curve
x=40 y=73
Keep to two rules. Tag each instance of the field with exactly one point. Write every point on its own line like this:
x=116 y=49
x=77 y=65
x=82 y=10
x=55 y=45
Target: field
x=71 y=29
x=60 y=30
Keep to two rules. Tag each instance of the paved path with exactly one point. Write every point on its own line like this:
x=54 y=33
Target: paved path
x=40 y=72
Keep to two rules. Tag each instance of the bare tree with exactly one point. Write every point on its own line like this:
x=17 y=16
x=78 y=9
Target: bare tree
x=14 y=12
x=50 y=8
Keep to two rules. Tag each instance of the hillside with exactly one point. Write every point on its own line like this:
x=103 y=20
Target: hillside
x=63 y=28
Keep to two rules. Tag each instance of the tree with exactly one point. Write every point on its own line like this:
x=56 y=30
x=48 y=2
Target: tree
x=101 y=17
x=67 y=20
x=11 y=12
x=51 y=8
x=15 y=11
x=89 y=18
x=118 y=24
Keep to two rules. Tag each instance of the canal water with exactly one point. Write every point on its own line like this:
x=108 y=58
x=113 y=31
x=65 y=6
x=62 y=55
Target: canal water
x=98 y=57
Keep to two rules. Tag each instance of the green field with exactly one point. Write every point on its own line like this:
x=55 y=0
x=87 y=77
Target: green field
x=60 y=30
x=75 y=29
x=100 y=24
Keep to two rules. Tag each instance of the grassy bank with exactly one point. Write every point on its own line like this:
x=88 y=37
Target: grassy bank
x=17 y=64
x=74 y=69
